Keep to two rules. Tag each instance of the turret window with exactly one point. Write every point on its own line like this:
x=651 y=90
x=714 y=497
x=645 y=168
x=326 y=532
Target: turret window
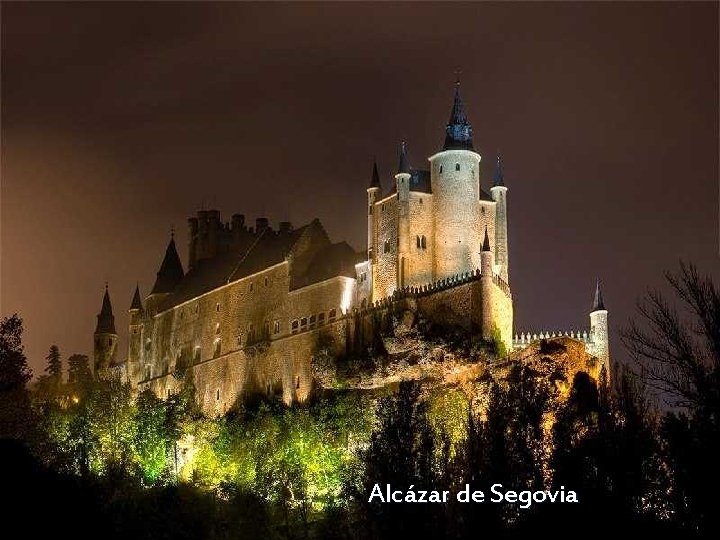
x=457 y=166
x=440 y=169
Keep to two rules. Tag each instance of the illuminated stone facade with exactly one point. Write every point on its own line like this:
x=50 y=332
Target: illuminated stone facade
x=257 y=304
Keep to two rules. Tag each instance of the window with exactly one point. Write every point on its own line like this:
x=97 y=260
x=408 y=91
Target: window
x=197 y=353
x=266 y=282
x=217 y=306
x=294 y=326
x=217 y=328
x=417 y=242
x=440 y=169
x=457 y=166
x=482 y=209
x=420 y=200
x=382 y=207
x=251 y=333
x=297 y=383
x=217 y=395
x=276 y=327
x=251 y=287
x=386 y=246
x=370 y=210
x=423 y=243
x=217 y=347
x=167 y=393
x=303 y=324
x=182 y=314
x=332 y=314
x=312 y=321
x=197 y=308
x=321 y=319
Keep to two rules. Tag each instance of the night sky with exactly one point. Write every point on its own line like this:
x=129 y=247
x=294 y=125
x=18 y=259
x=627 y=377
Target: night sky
x=121 y=120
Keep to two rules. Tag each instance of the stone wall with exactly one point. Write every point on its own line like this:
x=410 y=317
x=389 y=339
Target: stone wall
x=385 y=267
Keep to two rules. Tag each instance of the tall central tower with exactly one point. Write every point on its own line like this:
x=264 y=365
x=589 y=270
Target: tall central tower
x=454 y=174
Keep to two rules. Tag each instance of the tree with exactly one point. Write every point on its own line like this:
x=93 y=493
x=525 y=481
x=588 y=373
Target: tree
x=54 y=366
x=678 y=352
x=79 y=374
x=401 y=454
x=14 y=375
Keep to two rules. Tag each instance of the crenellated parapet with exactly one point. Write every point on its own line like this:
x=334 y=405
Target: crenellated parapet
x=526 y=338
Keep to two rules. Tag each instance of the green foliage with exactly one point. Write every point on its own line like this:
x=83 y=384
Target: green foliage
x=151 y=438
x=498 y=344
x=447 y=414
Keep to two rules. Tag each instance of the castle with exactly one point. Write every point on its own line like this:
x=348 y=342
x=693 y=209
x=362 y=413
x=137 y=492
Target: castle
x=246 y=317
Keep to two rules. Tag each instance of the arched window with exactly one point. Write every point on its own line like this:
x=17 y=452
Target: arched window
x=422 y=242
x=417 y=242
x=297 y=383
x=217 y=347
x=457 y=166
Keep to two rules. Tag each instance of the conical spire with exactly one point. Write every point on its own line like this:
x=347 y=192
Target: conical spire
x=486 y=241
x=137 y=300
x=105 y=319
x=499 y=177
x=458 y=133
x=404 y=166
x=598 y=303
x=171 y=270
x=375 y=181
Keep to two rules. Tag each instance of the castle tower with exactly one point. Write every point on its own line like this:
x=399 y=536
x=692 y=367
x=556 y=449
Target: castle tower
x=599 y=329
x=105 y=337
x=499 y=194
x=487 y=261
x=169 y=275
x=454 y=176
x=402 y=183
x=373 y=193
x=135 y=337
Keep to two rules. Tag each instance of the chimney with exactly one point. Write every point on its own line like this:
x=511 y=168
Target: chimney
x=261 y=224
x=285 y=227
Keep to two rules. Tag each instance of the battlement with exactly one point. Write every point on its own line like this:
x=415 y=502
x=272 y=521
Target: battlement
x=440 y=285
x=526 y=338
x=209 y=236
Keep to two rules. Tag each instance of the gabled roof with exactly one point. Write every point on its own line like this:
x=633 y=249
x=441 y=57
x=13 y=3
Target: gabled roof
x=311 y=255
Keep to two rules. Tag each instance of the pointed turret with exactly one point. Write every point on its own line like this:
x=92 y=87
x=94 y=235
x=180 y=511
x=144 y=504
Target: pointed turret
x=458 y=133
x=171 y=270
x=404 y=166
x=499 y=177
x=486 y=241
x=105 y=319
x=375 y=180
x=137 y=300
x=598 y=304
x=105 y=337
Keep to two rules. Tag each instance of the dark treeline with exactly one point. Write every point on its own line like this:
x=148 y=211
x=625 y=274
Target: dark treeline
x=87 y=458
